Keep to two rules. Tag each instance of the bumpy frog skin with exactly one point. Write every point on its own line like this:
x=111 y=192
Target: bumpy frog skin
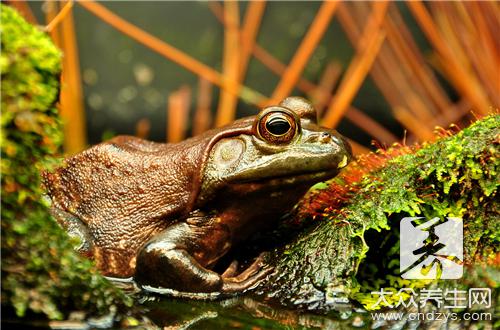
x=166 y=213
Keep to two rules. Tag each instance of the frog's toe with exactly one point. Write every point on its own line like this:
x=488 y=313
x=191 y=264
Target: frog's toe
x=254 y=267
x=236 y=284
x=231 y=270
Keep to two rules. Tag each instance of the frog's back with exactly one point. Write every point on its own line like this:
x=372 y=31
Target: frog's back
x=124 y=191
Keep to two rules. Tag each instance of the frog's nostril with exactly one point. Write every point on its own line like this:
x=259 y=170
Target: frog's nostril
x=325 y=137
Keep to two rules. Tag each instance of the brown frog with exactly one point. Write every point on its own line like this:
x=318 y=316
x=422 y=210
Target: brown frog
x=166 y=213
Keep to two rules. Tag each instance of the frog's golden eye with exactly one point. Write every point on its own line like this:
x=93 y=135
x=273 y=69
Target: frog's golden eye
x=277 y=127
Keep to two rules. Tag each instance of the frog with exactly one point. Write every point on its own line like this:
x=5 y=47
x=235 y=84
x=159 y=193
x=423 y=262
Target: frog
x=164 y=214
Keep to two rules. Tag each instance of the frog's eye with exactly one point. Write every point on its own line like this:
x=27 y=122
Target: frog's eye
x=277 y=127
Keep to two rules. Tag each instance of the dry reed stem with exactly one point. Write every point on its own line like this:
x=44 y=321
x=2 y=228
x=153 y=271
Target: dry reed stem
x=177 y=114
x=400 y=38
x=24 y=9
x=404 y=80
x=376 y=130
x=484 y=33
x=238 y=46
x=142 y=128
x=50 y=14
x=218 y=11
x=307 y=46
x=410 y=73
x=321 y=95
x=248 y=36
x=459 y=76
x=476 y=41
x=170 y=52
x=71 y=97
x=278 y=68
x=372 y=39
x=202 y=120
x=304 y=85
x=461 y=112
x=266 y=58
x=408 y=120
x=366 y=123
x=396 y=88
x=491 y=16
x=358 y=149
x=226 y=110
x=443 y=23
x=385 y=83
x=386 y=86
x=59 y=17
x=490 y=43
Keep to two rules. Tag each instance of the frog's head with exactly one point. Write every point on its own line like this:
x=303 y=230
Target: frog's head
x=285 y=147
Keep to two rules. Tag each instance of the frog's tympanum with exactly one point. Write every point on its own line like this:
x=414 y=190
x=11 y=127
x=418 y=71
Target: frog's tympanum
x=166 y=213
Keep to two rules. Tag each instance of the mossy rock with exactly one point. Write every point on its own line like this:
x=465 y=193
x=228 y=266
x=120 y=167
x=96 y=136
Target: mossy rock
x=352 y=246
x=41 y=273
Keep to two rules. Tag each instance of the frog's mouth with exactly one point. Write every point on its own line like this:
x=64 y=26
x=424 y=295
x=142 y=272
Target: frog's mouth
x=297 y=178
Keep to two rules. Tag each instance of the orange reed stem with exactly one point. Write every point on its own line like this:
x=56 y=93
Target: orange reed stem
x=274 y=65
x=50 y=14
x=170 y=52
x=408 y=120
x=24 y=9
x=177 y=114
x=203 y=117
x=463 y=80
x=226 y=110
x=369 y=44
x=305 y=50
x=249 y=30
x=142 y=128
x=60 y=16
x=321 y=95
x=71 y=99
x=369 y=125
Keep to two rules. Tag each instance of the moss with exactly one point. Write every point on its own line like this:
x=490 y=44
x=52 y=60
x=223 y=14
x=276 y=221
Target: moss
x=352 y=247
x=41 y=272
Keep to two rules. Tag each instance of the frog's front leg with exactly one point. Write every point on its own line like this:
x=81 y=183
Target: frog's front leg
x=179 y=257
x=75 y=228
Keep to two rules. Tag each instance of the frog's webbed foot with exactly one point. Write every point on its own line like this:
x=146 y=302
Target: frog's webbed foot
x=74 y=228
x=251 y=276
x=230 y=270
x=256 y=265
x=173 y=259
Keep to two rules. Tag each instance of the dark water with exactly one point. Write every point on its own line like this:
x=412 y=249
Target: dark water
x=243 y=313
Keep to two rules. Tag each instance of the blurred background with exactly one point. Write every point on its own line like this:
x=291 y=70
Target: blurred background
x=377 y=71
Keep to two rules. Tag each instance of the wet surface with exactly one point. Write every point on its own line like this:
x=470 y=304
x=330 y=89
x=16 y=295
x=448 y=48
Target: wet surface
x=241 y=313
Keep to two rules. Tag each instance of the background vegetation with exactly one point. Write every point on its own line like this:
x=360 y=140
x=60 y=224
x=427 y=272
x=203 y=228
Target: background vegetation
x=41 y=272
x=376 y=70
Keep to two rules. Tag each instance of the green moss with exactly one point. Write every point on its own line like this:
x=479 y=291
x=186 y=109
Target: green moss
x=454 y=176
x=40 y=270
